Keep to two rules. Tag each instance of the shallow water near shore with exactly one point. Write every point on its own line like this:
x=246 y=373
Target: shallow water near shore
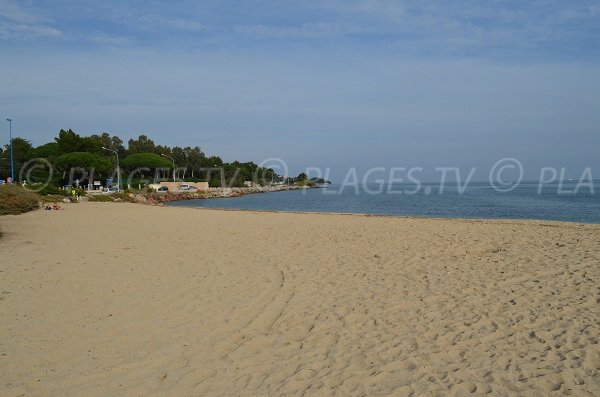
x=526 y=201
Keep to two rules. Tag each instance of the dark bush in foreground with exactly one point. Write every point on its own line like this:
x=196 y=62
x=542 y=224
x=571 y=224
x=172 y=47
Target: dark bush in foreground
x=15 y=200
x=46 y=189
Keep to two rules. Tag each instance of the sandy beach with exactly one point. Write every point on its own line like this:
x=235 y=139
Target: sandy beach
x=107 y=299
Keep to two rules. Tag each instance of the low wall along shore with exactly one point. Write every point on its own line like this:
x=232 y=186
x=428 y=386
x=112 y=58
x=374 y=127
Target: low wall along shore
x=165 y=197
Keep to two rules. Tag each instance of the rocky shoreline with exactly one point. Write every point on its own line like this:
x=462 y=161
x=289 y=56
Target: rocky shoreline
x=156 y=198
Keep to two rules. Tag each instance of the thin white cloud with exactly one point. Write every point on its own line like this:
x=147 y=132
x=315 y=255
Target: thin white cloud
x=305 y=31
x=10 y=31
x=21 y=22
x=102 y=38
x=158 y=22
x=18 y=13
x=464 y=27
x=152 y=21
x=388 y=9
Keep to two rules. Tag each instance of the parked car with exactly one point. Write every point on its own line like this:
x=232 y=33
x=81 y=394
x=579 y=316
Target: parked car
x=110 y=190
x=162 y=189
x=187 y=188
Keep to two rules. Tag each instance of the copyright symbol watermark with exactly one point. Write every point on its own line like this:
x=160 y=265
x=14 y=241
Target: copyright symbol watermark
x=276 y=164
x=35 y=165
x=506 y=174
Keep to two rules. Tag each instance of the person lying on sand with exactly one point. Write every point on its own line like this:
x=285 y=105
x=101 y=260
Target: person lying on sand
x=54 y=206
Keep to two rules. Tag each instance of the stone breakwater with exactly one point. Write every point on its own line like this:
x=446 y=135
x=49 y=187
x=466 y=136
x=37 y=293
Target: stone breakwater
x=161 y=198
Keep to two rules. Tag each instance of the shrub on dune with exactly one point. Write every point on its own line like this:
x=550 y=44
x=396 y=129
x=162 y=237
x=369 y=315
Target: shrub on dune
x=16 y=200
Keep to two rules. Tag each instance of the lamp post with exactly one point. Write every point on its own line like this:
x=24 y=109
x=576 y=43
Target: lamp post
x=12 y=164
x=118 y=168
x=164 y=155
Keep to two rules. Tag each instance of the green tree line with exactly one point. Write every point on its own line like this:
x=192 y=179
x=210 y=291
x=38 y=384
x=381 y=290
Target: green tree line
x=71 y=154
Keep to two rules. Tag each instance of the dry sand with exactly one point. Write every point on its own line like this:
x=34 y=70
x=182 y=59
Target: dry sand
x=124 y=299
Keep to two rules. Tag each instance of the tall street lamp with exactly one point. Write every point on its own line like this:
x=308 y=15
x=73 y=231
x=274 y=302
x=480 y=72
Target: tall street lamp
x=118 y=168
x=164 y=155
x=12 y=164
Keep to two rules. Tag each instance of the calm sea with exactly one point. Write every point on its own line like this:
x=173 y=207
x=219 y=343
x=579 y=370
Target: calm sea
x=525 y=201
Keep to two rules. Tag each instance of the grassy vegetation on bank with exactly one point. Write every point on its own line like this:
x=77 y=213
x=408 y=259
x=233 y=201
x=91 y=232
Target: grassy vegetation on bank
x=16 y=200
x=122 y=196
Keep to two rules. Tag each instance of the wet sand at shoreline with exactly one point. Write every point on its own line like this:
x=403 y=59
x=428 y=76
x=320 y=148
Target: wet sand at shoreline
x=125 y=299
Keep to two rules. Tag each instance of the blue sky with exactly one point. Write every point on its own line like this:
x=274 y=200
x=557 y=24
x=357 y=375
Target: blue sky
x=326 y=84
